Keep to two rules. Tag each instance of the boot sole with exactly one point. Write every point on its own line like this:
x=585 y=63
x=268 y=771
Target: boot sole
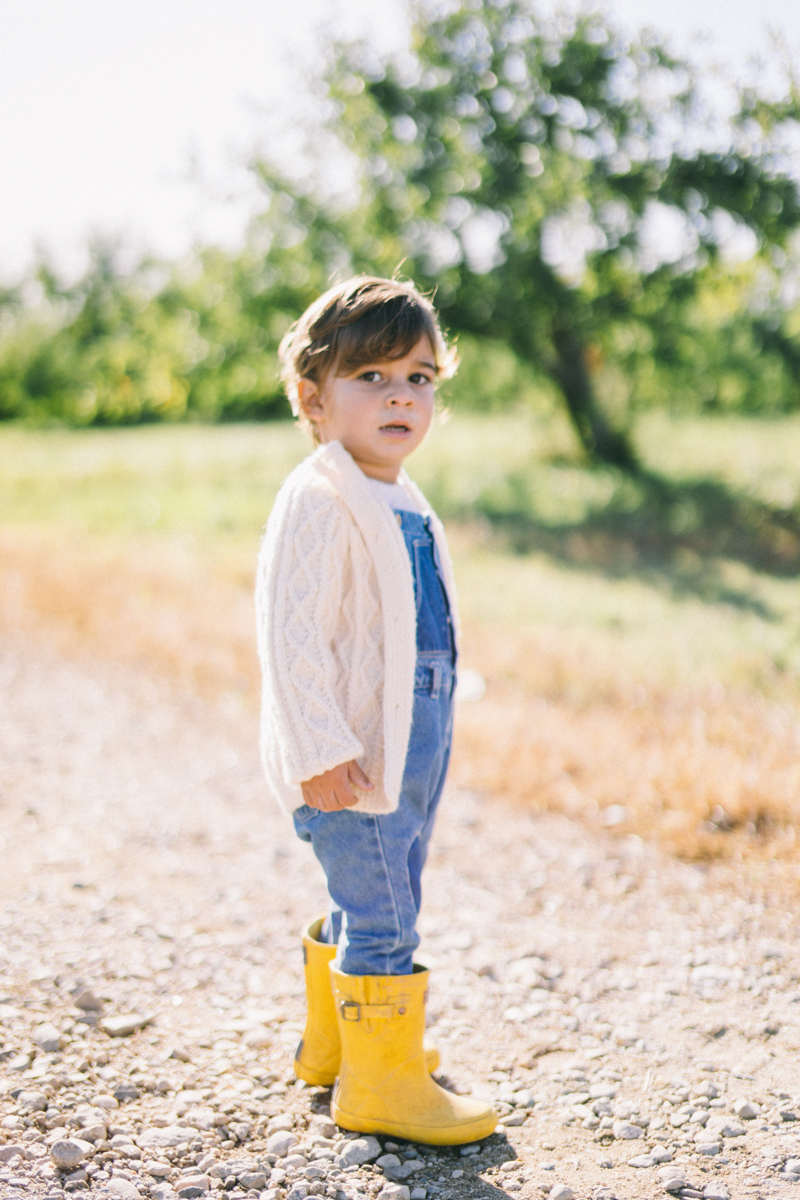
x=454 y=1135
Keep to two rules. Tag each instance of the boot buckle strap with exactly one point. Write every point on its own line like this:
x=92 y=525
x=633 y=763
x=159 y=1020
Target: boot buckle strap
x=351 y=1010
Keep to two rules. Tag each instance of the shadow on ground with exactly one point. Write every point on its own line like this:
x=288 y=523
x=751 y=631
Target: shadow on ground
x=677 y=532
x=496 y=1150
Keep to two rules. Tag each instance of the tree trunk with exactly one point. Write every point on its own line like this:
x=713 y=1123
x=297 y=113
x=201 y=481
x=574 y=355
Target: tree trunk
x=599 y=440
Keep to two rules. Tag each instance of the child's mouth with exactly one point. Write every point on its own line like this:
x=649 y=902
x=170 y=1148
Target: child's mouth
x=396 y=427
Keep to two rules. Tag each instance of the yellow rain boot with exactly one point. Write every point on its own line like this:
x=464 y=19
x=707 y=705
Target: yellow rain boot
x=383 y=1084
x=317 y=1056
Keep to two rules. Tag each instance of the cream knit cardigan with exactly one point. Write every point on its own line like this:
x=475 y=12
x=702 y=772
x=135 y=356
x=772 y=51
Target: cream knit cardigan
x=337 y=630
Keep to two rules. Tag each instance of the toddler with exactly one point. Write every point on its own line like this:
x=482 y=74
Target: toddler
x=357 y=629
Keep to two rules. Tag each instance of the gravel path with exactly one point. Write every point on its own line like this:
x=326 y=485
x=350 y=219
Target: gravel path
x=635 y=1020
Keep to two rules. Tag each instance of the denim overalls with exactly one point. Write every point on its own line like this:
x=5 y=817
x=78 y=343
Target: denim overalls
x=373 y=862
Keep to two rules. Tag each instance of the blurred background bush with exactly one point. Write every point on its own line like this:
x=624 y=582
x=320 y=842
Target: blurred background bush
x=596 y=236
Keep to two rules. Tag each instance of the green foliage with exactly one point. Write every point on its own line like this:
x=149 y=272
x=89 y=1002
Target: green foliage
x=491 y=378
x=529 y=172
x=517 y=167
x=197 y=343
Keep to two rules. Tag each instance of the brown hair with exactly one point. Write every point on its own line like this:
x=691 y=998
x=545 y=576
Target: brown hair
x=363 y=320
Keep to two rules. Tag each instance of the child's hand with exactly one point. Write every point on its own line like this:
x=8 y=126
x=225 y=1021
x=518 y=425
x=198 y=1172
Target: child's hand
x=332 y=790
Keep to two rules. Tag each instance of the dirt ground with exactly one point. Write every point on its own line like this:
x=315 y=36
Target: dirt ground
x=634 y=1019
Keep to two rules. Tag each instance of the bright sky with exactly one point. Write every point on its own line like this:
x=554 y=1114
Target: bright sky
x=133 y=119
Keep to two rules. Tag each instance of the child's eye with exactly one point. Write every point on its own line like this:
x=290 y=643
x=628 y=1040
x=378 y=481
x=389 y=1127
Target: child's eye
x=370 y=376
x=419 y=378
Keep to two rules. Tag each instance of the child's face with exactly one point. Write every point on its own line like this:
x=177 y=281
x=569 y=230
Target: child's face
x=380 y=413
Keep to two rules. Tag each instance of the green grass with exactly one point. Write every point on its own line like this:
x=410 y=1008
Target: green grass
x=688 y=573
x=757 y=457
x=213 y=485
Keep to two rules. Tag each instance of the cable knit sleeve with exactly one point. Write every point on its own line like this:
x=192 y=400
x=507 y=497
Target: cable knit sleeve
x=298 y=601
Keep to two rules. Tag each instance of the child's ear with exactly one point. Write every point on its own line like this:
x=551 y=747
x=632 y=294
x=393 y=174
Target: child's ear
x=309 y=398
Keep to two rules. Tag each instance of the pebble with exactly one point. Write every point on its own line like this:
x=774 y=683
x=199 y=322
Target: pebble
x=283 y=1121
x=281 y=1142
x=167 y=1135
x=193 y=1185
x=560 y=1191
x=157 y=1168
x=47 y=1038
x=122 y=1188
x=96 y=1132
x=68 y=1153
x=254 y=1180
x=294 y=1161
x=419 y=1193
x=124 y=1024
x=10 y=1151
x=32 y=1101
x=86 y=1001
x=625 y=1131
x=642 y=1160
x=746 y=1109
x=258 y=1039
x=298 y=1191
x=394 y=1191
x=716 y=1190
x=673 y=1171
x=600 y=1091
x=20 y=1062
x=723 y=1127
x=360 y=1151
x=407 y=1168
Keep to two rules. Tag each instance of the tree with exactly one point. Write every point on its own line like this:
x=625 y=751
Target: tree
x=193 y=340
x=560 y=187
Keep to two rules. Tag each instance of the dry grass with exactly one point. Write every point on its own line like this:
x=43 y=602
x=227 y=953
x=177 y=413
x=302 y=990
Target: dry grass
x=561 y=727
x=160 y=608
x=611 y=698
x=709 y=771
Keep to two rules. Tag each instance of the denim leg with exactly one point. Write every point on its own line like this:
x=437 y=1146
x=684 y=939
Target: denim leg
x=373 y=862
x=331 y=927
x=366 y=867
x=418 y=854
